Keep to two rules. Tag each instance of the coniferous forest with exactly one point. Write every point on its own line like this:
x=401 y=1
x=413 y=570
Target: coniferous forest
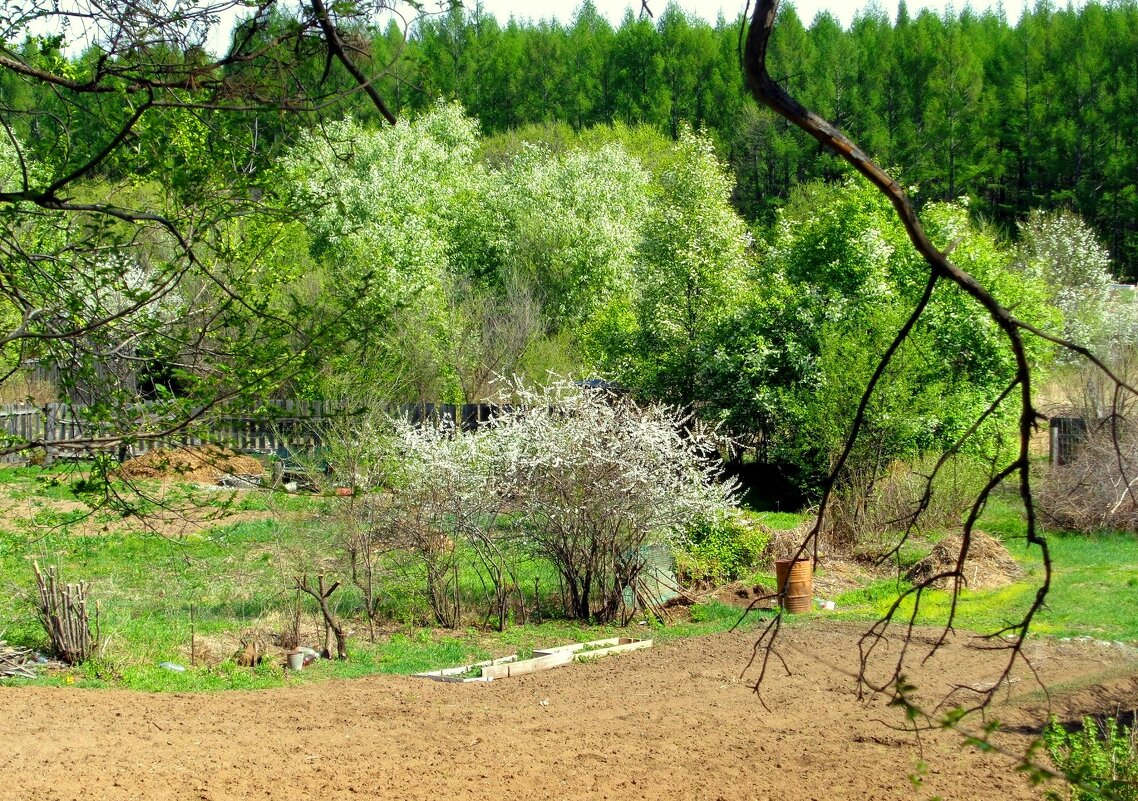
x=1042 y=113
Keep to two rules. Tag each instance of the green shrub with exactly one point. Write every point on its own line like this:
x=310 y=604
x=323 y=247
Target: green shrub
x=720 y=550
x=1101 y=762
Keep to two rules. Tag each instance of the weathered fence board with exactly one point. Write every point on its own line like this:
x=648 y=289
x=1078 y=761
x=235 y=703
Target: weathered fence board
x=289 y=426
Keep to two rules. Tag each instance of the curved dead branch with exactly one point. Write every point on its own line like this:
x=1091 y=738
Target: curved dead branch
x=768 y=92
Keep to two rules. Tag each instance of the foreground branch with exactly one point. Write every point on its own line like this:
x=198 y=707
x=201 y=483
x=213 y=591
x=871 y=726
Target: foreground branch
x=768 y=92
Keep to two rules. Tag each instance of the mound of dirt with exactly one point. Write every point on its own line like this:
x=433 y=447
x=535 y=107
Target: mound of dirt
x=746 y=595
x=205 y=463
x=988 y=565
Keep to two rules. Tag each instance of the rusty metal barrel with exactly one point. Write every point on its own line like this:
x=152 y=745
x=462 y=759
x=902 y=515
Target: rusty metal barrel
x=795 y=580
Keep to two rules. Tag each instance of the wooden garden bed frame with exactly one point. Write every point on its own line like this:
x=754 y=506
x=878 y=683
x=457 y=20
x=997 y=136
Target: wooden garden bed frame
x=543 y=659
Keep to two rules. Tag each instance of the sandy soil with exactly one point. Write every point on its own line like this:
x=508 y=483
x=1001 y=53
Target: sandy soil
x=672 y=722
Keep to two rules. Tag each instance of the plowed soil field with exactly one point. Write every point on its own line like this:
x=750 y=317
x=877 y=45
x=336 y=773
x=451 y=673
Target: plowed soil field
x=677 y=721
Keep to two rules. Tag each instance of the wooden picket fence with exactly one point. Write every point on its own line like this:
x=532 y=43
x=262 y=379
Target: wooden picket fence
x=289 y=427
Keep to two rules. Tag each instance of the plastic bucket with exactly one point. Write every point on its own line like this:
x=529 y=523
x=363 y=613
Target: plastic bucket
x=795 y=580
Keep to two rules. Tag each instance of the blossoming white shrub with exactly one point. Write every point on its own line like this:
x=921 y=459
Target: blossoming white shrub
x=596 y=478
x=581 y=478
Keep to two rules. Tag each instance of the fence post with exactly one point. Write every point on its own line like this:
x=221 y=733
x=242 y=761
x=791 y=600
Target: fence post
x=1067 y=434
x=50 y=414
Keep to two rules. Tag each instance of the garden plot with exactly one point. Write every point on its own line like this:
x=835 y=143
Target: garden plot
x=682 y=722
x=542 y=659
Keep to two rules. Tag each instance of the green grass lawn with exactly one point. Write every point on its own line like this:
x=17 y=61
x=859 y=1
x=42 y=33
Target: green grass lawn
x=156 y=591
x=235 y=574
x=1094 y=589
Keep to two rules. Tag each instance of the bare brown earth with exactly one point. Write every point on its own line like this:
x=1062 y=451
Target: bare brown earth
x=672 y=722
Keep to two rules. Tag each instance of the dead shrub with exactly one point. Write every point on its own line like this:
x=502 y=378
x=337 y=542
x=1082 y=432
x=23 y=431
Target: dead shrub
x=1097 y=488
x=872 y=507
x=65 y=616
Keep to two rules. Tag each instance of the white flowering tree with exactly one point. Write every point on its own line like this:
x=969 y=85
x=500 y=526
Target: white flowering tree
x=1059 y=249
x=379 y=205
x=597 y=478
x=437 y=496
x=577 y=477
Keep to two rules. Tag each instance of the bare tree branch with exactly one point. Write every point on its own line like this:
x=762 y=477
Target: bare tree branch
x=768 y=92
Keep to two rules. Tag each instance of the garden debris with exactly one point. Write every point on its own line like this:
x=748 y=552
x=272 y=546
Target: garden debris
x=240 y=482
x=836 y=575
x=746 y=595
x=989 y=565
x=310 y=656
x=204 y=463
x=16 y=661
x=785 y=543
x=252 y=651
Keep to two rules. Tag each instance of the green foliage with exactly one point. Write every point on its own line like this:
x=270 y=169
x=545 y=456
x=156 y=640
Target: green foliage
x=837 y=279
x=877 y=593
x=1100 y=760
x=716 y=612
x=571 y=221
x=721 y=549
x=1061 y=251
x=380 y=220
x=688 y=269
x=449 y=270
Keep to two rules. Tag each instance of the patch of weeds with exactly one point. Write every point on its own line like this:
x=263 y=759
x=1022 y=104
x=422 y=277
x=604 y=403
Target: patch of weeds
x=872 y=594
x=417 y=653
x=778 y=521
x=911 y=552
x=590 y=647
x=55 y=518
x=714 y=612
x=246 y=531
x=1101 y=761
x=227 y=675
x=19 y=475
